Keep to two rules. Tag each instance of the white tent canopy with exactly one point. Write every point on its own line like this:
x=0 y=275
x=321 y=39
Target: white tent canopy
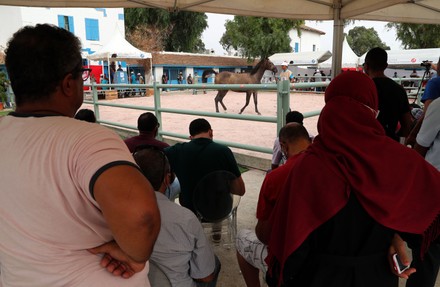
x=409 y=59
x=301 y=58
x=349 y=58
x=121 y=48
x=407 y=11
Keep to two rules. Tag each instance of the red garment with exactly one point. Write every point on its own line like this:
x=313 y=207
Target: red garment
x=393 y=183
x=271 y=188
x=145 y=138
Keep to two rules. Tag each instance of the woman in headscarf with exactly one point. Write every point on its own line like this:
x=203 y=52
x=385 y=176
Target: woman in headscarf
x=347 y=196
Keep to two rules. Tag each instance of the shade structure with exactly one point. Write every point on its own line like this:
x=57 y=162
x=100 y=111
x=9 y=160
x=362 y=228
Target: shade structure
x=301 y=58
x=349 y=58
x=119 y=49
x=409 y=59
x=410 y=11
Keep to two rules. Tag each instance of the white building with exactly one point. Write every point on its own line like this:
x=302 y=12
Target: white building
x=93 y=26
x=309 y=41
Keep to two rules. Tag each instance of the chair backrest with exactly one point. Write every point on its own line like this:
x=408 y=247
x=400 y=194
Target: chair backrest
x=157 y=277
x=213 y=200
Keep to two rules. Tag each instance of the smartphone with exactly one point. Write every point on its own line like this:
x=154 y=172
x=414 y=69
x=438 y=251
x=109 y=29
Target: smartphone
x=398 y=265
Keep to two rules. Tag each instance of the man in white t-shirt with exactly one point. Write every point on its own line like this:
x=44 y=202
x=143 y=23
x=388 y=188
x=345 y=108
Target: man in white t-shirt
x=428 y=138
x=76 y=210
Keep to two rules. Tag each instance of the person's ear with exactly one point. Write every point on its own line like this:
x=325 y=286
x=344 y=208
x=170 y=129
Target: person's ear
x=211 y=134
x=68 y=85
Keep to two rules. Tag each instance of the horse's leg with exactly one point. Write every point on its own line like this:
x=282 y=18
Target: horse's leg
x=219 y=99
x=248 y=97
x=255 y=94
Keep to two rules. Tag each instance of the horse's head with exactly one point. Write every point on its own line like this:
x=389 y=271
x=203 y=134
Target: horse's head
x=270 y=66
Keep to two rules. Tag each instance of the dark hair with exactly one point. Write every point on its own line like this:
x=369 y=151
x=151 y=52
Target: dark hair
x=38 y=58
x=147 y=122
x=86 y=115
x=199 y=126
x=294 y=117
x=377 y=59
x=293 y=132
x=153 y=164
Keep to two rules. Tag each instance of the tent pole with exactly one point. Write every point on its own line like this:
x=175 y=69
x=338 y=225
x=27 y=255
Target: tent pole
x=338 y=38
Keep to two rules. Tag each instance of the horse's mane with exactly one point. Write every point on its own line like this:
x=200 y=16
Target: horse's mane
x=257 y=66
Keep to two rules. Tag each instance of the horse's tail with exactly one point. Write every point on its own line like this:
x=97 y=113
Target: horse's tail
x=206 y=74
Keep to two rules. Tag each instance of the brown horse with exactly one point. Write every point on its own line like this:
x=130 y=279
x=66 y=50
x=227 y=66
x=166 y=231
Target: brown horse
x=254 y=77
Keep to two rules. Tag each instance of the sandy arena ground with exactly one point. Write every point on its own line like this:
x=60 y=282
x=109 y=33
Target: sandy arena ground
x=253 y=133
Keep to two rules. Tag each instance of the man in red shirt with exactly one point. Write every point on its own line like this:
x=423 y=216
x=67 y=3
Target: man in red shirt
x=251 y=251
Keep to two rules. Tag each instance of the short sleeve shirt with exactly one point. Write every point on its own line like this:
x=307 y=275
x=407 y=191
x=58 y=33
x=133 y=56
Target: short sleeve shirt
x=429 y=134
x=393 y=104
x=193 y=160
x=271 y=187
x=432 y=90
x=49 y=217
x=181 y=249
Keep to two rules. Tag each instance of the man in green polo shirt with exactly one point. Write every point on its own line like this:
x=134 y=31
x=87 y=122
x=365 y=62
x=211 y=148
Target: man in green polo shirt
x=193 y=160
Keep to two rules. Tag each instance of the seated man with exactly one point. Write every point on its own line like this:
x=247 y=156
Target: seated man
x=277 y=156
x=193 y=160
x=181 y=249
x=148 y=127
x=251 y=252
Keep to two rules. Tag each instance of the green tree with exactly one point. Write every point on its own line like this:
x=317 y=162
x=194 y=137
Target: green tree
x=362 y=39
x=171 y=31
x=417 y=36
x=255 y=37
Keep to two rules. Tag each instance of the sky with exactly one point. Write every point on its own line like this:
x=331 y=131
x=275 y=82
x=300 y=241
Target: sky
x=211 y=36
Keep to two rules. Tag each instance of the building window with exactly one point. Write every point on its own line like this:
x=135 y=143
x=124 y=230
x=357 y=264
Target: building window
x=314 y=48
x=92 y=29
x=296 y=50
x=66 y=22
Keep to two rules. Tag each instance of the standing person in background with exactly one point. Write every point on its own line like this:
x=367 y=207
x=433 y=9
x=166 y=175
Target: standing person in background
x=393 y=102
x=164 y=81
x=84 y=215
x=285 y=73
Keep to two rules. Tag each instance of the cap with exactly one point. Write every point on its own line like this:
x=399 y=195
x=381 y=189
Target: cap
x=139 y=74
x=132 y=72
x=284 y=64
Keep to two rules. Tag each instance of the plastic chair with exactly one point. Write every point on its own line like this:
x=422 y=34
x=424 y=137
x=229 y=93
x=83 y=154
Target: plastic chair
x=157 y=277
x=216 y=207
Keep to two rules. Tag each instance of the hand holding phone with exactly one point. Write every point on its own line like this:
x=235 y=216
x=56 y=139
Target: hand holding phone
x=398 y=265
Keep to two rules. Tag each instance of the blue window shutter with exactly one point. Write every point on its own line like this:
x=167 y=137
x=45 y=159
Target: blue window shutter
x=71 y=25
x=296 y=47
x=121 y=16
x=61 y=21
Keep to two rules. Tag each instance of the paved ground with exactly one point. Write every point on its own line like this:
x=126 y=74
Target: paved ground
x=261 y=134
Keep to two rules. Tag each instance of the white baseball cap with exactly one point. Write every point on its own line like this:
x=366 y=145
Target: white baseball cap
x=284 y=64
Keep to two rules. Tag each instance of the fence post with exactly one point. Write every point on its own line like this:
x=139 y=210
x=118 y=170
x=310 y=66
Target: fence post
x=156 y=109
x=283 y=103
x=95 y=101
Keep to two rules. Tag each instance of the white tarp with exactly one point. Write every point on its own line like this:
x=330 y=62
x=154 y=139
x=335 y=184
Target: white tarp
x=409 y=11
x=301 y=58
x=409 y=59
x=406 y=11
x=349 y=58
x=121 y=47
